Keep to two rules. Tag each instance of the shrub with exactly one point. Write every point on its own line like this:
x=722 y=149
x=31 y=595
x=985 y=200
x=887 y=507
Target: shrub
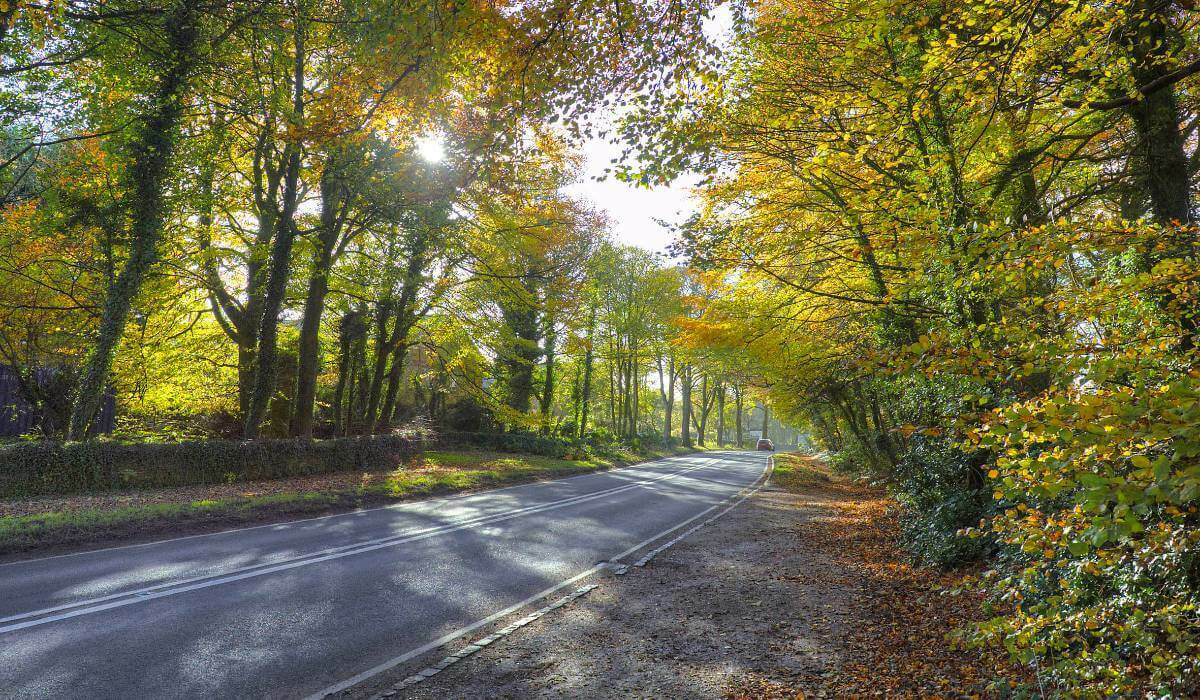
x=40 y=468
x=527 y=443
x=933 y=484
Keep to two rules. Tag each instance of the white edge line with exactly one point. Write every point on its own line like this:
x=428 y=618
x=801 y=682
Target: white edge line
x=746 y=493
x=446 y=638
x=357 y=511
x=451 y=636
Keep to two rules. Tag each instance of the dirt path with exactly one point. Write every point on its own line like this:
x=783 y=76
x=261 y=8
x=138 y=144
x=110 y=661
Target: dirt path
x=772 y=600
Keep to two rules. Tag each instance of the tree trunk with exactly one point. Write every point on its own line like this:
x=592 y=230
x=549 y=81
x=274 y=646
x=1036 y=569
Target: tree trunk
x=383 y=316
x=523 y=355
x=266 y=361
x=152 y=154
x=585 y=396
x=309 y=349
x=666 y=388
x=1161 y=159
x=720 y=415
x=349 y=331
x=737 y=407
x=685 y=386
x=548 y=384
x=391 y=399
x=334 y=201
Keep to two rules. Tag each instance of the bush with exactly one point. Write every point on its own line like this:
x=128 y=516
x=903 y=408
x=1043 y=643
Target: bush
x=526 y=443
x=41 y=468
x=932 y=483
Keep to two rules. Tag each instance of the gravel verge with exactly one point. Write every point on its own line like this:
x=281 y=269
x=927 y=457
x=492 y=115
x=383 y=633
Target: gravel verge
x=744 y=595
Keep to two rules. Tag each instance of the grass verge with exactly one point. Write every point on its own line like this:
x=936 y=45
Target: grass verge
x=70 y=522
x=795 y=471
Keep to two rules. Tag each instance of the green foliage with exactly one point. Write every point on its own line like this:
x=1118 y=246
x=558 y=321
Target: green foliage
x=932 y=484
x=959 y=240
x=526 y=443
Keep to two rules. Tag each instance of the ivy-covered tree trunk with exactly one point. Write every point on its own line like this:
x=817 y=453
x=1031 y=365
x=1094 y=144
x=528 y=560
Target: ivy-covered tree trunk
x=392 y=394
x=350 y=333
x=384 y=312
x=392 y=345
x=309 y=349
x=548 y=382
x=1160 y=160
x=522 y=355
x=152 y=151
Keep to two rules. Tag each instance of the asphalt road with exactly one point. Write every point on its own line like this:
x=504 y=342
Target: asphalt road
x=296 y=609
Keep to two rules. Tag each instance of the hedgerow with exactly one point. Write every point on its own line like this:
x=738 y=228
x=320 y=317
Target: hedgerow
x=38 y=468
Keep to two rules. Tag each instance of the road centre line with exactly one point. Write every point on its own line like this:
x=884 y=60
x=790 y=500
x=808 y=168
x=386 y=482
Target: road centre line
x=116 y=600
x=356 y=512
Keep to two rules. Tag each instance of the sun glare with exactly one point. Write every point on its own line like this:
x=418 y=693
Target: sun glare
x=431 y=148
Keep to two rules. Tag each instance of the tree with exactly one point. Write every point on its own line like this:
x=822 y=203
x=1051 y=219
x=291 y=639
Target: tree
x=150 y=153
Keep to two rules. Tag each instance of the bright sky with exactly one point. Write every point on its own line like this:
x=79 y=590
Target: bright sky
x=632 y=210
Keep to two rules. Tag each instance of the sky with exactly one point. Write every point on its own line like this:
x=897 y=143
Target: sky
x=632 y=210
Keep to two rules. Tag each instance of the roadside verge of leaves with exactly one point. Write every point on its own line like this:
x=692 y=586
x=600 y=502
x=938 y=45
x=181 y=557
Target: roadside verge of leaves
x=897 y=628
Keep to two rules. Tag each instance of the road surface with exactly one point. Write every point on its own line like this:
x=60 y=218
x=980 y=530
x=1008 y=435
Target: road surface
x=297 y=609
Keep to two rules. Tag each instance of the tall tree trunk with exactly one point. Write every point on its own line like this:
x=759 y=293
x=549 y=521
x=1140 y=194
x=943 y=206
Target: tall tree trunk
x=685 y=387
x=612 y=389
x=383 y=316
x=151 y=160
x=766 y=419
x=548 y=385
x=309 y=348
x=391 y=398
x=666 y=388
x=349 y=331
x=522 y=322
x=266 y=362
x=636 y=387
x=720 y=414
x=585 y=396
x=738 y=409
x=334 y=199
x=1161 y=161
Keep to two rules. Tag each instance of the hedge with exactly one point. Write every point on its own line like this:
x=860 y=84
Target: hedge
x=32 y=469
x=525 y=443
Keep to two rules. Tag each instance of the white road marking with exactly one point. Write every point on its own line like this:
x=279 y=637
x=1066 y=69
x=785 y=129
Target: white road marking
x=659 y=550
x=447 y=638
x=456 y=634
x=358 y=511
x=116 y=600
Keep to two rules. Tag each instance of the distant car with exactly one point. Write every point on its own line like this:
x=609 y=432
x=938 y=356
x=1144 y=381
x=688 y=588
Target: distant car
x=765 y=444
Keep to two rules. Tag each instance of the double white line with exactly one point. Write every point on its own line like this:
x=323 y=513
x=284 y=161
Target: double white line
x=89 y=606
